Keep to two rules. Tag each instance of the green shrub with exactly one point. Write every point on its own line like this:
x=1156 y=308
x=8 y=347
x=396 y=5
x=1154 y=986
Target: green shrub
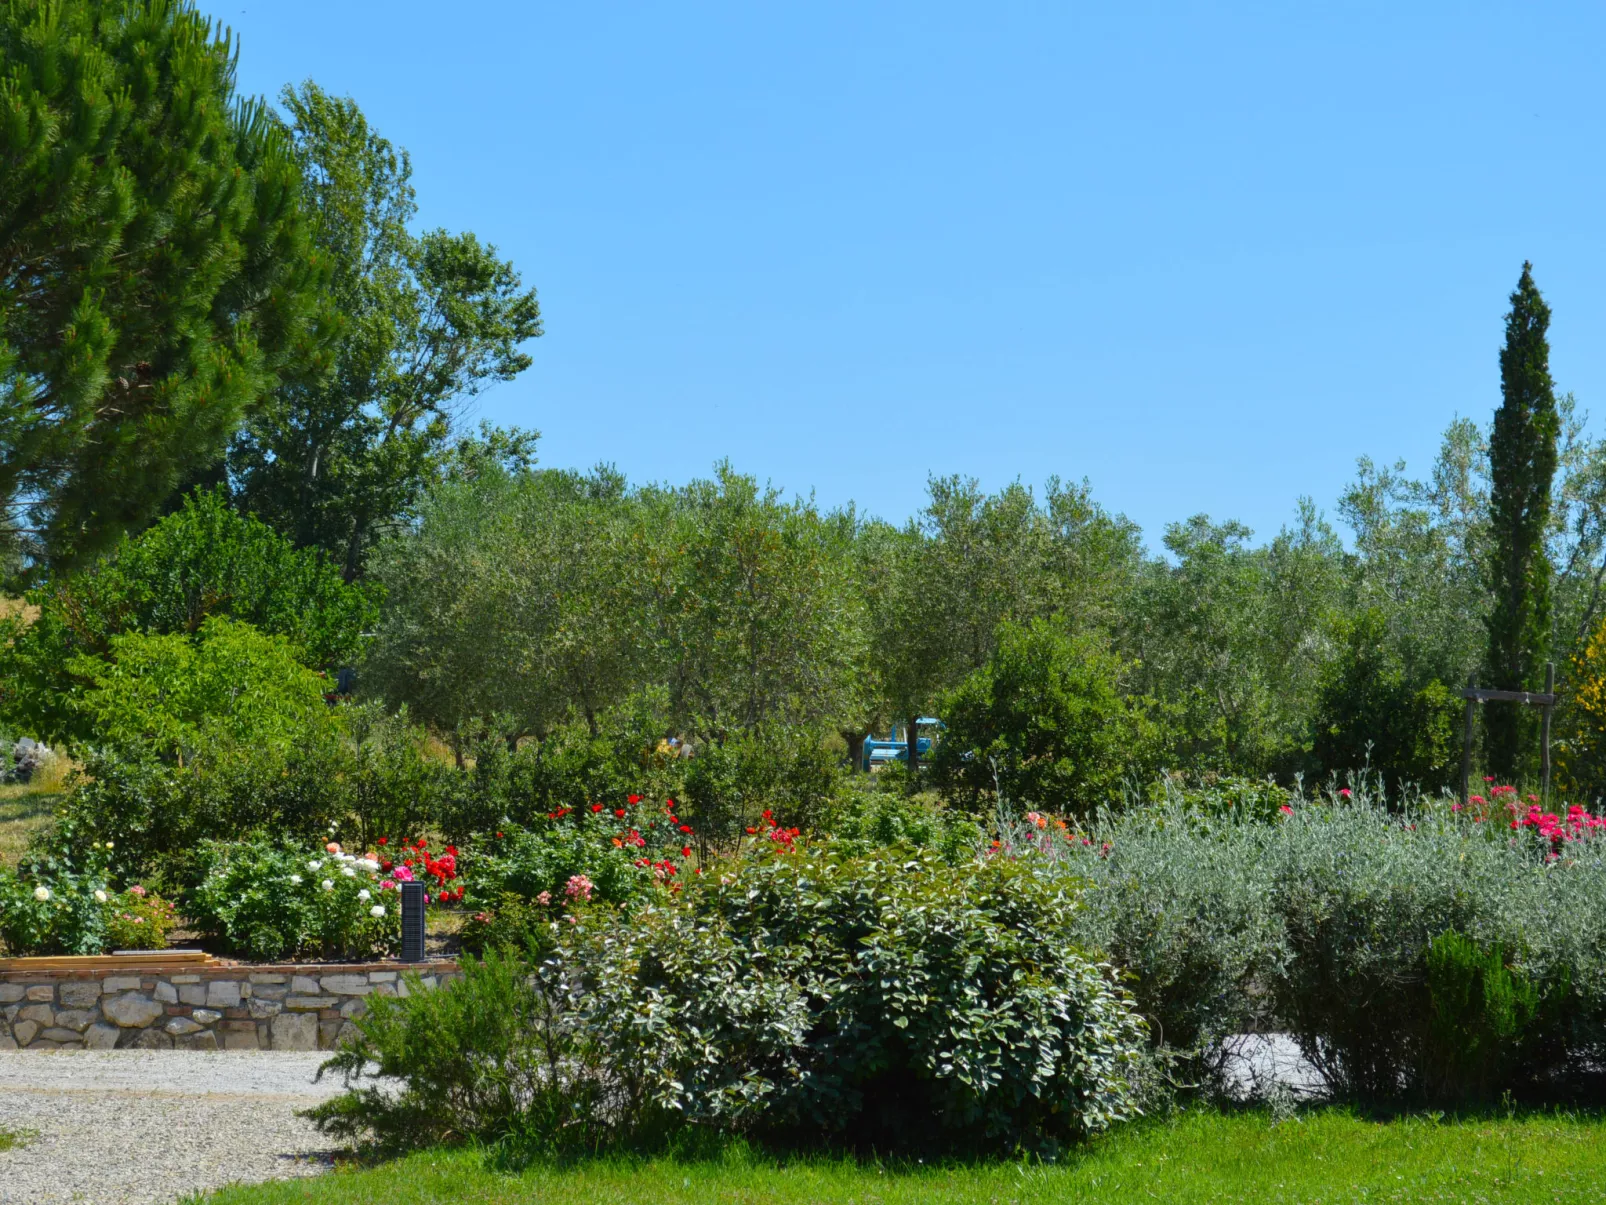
x=863 y=817
x=138 y=919
x=495 y=1053
x=1374 y=711
x=892 y=1002
x=1181 y=902
x=513 y=923
x=1048 y=716
x=1324 y=924
x=271 y=900
x=789 y=772
x=203 y=560
x=1480 y=1011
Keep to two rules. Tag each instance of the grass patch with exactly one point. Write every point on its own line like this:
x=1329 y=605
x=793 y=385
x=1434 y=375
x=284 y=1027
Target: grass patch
x=25 y=808
x=1330 y=1156
x=10 y=1140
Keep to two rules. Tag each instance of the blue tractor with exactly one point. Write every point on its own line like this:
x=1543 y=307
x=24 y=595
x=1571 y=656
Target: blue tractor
x=879 y=751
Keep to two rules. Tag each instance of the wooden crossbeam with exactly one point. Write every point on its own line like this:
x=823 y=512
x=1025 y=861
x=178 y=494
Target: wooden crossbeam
x=142 y=959
x=1532 y=698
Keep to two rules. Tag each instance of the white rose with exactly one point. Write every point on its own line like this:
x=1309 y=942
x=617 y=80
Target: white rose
x=328 y=885
x=377 y=911
x=100 y=896
x=368 y=864
x=295 y=880
x=315 y=865
x=108 y=845
x=41 y=894
x=348 y=872
x=365 y=895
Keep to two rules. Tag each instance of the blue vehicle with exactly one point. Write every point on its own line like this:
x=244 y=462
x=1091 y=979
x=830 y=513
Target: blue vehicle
x=878 y=751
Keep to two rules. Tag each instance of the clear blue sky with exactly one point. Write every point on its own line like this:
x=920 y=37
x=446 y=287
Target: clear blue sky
x=1203 y=255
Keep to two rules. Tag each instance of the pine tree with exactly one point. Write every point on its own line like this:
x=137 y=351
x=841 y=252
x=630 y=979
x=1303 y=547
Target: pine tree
x=155 y=271
x=1522 y=462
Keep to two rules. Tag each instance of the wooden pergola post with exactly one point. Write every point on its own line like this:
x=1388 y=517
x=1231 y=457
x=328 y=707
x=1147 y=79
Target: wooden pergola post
x=1545 y=701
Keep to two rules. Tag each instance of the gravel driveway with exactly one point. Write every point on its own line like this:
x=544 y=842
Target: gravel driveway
x=130 y=1127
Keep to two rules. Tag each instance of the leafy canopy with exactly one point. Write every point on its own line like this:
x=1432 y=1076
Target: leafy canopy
x=155 y=271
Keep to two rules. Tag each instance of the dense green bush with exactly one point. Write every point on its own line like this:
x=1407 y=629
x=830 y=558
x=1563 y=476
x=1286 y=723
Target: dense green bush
x=273 y=900
x=1182 y=903
x=864 y=816
x=893 y=1002
x=1330 y=924
x=1047 y=715
x=203 y=560
x=497 y=1053
x=787 y=771
x=1372 y=710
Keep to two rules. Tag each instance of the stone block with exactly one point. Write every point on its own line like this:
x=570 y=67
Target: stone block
x=260 y=977
x=42 y=994
x=42 y=1013
x=329 y=1033
x=80 y=993
x=101 y=1036
x=348 y=1033
x=119 y=983
x=264 y=1036
x=166 y=993
x=10 y=993
x=206 y=1015
x=301 y=985
x=354 y=1008
x=151 y=1039
x=237 y=1027
x=131 y=1010
x=192 y=993
x=262 y=1009
x=76 y=1019
x=241 y=1039
x=385 y=989
x=41 y=1044
x=223 y=993
x=205 y=1040
x=294 y=1031
x=57 y=1033
x=186 y=978
x=7 y=1042
x=305 y=1003
x=381 y=976
x=23 y=1031
x=269 y=991
x=178 y=1026
x=346 y=985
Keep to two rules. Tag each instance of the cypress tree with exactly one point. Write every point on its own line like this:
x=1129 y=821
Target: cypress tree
x=1522 y=462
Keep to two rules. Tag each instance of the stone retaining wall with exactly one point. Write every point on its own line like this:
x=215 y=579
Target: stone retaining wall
x=296 y=1007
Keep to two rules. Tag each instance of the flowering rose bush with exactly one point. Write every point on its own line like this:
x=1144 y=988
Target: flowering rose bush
x=620 y=850
x=56 y=902
x=63 y=903
x=138 y=919
x=274 y=900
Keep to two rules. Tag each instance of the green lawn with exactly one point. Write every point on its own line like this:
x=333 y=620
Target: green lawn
x=24 y=810
x=1327 y=1158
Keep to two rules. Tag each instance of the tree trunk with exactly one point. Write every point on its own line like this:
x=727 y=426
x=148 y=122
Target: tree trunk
x=855 y=751
x=912 y=744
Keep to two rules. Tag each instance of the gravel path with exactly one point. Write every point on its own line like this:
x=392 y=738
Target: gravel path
x=131 y=1127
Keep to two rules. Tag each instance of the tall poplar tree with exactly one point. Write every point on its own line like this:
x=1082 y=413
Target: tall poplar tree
x=1522 y=462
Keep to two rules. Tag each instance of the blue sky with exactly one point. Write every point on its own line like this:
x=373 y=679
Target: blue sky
x=1203 y=255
